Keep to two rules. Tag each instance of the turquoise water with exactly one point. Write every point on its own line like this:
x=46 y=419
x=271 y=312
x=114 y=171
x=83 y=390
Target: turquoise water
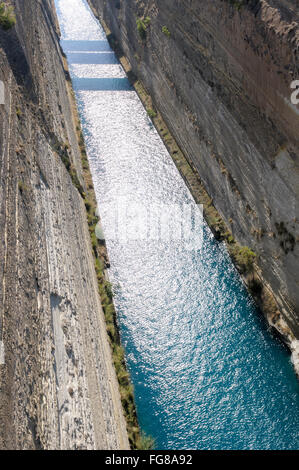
x=207 y=372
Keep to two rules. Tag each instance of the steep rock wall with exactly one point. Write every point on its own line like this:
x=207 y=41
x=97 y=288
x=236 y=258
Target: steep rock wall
x=220 y=74
x=58 y=388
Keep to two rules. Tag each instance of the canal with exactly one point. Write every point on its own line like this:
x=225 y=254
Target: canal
x=206 y=370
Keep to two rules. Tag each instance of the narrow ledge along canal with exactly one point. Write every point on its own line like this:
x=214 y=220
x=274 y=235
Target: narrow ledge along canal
x=207 y=373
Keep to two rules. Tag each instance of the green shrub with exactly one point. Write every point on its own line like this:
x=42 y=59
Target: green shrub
x=109 y=289
x=152 y=114
x=166 y=31
x=85 y=163
x=88 y=205
x=22 y=187
x=245 y=259
x=76 y=182
x=7 y=16
x=238 y=4
x=145 y=442
x=142 y=24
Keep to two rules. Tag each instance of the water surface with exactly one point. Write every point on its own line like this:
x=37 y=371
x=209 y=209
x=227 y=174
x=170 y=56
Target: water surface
x=207 y=372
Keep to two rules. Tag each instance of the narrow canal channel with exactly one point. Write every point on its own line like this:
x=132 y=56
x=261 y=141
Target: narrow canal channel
x=206 y=371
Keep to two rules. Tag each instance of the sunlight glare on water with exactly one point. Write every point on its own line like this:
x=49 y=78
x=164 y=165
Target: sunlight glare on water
x=206 y=371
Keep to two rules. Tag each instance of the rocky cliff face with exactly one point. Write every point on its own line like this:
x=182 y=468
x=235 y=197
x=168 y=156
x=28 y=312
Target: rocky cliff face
x=58 y=388
x=220 y=73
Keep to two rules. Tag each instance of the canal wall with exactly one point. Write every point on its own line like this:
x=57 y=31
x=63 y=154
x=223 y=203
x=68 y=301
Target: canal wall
x=220 y=74
x=58 y=388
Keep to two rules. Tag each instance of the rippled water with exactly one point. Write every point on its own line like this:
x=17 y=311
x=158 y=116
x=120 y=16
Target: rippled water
x=207 y=373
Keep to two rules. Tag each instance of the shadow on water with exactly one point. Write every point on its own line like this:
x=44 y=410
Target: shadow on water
x=89 y=46
x=90 y=58
x=101 y=84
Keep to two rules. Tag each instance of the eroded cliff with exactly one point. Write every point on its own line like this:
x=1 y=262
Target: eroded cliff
x=58 y=388
x=220 y=74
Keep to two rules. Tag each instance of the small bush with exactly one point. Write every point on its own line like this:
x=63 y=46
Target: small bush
x=145 y=442
x=238 y=4
x=76 y=182
x=245 y=259
x=166 y=31
x=152 y=114
x=99 y=268
x=142 y=25
x=7 y=16
x=109 y=289
x=85 y=163
x=88 y=205
x=22 y=187
x=81 y=140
